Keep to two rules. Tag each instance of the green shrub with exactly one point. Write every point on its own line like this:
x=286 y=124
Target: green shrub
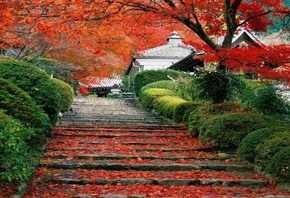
x=266 y=100
x=247 y=148
x=21 y=106
x=270 y=147
x=279 y=166
x=58 y=70
x=13 y=147
x=204 y=112
x=148 y=76
x=165 y=105
x=115 y=95
x=149 y=95
x=36 y=82
x=229 y=129
x=163 y=84
x=66 y=94
x=215 y=87
x=128 y=84
x=187 y=113
x=180 y=110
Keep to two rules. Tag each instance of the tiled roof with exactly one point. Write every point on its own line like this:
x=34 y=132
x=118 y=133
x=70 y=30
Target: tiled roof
x=175 y=48
x=169 y=51
x=240 y=31
x=95 y=82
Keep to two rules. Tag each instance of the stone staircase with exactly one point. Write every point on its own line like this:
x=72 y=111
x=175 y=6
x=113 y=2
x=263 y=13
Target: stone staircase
x=93 y=154
x=107 y=111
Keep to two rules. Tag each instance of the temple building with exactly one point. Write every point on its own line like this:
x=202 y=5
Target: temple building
x=101 y=86
x=164 y=56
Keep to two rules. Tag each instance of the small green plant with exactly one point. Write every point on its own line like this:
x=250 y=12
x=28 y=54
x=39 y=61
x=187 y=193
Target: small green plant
x=115 y=95
x=128 y=83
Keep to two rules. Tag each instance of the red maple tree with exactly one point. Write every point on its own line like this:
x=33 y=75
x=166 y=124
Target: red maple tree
x=123 y=26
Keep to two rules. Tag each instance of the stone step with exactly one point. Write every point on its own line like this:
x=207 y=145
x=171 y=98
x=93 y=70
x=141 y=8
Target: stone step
x=144 y=191
x=135 y=128
x=110 y=117
x=114 y=135
x=163 y=182
x=110 y=148
x=75 y=164
x=105 y=122
x=116 y=119
x=140 y=157
x=137 y=150
x=108 y=113
x=120 y=131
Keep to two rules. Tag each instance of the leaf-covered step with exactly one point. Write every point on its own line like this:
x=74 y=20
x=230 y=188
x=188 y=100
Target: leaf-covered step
x=129 y=152
x=48 y=174
x=115 y=135
x=125 y=131
x=136 y=149
x=178 y=140
x=74 y=164
x=93 y=127
x=109 y=120
x=128 y=191
x=122 y=157
x=165 y=182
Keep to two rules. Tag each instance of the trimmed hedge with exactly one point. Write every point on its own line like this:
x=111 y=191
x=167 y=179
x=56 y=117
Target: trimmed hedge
x=13 y=147
x=279 y=166
x=204 y=112
x=21 y=106
x=270 y=147
x=36 y=82
x=165 y=105
x=149 y=96
x=179 y=112
x=66 y=94
x=228 y=130
x=187 y=113
x=163 y=84
x=149 y=76
x=247 y=148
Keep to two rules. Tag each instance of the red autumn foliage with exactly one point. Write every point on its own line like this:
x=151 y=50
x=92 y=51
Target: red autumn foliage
x=124 y=26
x=62 y=190
x=83 y=90
x=70 y=146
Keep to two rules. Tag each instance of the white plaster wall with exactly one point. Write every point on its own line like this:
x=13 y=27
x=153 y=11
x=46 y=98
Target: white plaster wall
x=147 y=64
